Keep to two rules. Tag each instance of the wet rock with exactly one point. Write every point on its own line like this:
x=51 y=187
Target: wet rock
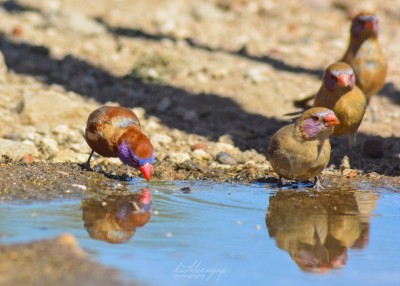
x=185 y=190
x=373 y=148
x=57 y=261
x=225 y=159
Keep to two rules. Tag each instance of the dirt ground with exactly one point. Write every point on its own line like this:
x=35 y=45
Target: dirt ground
x=211 y=80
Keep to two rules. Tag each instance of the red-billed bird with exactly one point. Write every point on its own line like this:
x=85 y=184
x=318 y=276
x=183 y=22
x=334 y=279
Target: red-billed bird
x=300 y=151
x=115 y=132
x=339 y=93
x=364 y=54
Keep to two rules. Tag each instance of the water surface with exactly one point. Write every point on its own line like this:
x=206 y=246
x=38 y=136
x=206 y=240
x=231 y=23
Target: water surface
x=203 y=233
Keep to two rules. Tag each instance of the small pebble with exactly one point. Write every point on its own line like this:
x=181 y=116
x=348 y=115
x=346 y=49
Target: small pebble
x=185 y=190
x=225 y=158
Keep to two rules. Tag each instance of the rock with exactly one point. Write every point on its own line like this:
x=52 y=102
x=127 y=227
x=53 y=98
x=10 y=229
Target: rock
x=164 y=104
x=199 y=145
x=179 y=157
x=345 y=163
x=3 y=67
x=201 y=155
x=227 y=139
x=161 y=139
x=54 y=109
x=73 y=21
x=373 y=148
x=225 y=159
x=16 y=149
x=57 y=261
x=48 y=145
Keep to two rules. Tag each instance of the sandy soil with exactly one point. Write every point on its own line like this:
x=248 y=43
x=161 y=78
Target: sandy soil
x=211 y=80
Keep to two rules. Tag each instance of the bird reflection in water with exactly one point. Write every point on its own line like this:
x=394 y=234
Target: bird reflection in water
x=116 y=218
x=318 y=229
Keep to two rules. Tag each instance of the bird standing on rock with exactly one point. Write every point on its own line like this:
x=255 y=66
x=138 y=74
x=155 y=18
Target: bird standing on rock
x=339 y=93
x=300 y=151
x=115 y=132
x=364 y=54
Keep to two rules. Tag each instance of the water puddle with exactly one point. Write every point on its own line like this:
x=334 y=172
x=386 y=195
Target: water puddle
x=202 y=233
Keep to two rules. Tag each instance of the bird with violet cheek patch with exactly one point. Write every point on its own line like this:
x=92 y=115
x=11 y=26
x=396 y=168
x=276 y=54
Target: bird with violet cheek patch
x=300 y=151
x=364 y=54
x=113 y=131
x=339 y=93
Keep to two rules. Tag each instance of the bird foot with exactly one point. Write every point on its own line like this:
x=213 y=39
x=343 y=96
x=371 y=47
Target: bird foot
x=280 y=184
x=317 y=185
x=86 y=166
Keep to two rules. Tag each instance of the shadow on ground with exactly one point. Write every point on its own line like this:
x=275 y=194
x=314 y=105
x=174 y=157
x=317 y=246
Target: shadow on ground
x=203 y=114
x=275 y=63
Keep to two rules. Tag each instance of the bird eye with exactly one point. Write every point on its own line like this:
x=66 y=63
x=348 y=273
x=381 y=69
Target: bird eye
x=315 y=118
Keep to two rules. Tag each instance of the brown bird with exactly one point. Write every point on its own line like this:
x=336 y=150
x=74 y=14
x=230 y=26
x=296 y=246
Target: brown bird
x=300 y=151
x=339 y=93
x=364 y=54
x=113 y=131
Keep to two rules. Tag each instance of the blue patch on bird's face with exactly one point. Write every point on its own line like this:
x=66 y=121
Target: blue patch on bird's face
x=127 y=156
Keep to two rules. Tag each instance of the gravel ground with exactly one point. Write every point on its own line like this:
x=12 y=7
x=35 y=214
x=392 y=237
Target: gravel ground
x=210 y=81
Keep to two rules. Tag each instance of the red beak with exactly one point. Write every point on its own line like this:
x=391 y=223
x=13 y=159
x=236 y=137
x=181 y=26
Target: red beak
x=369 y=25
x=344 y=80
x=331 y=120
x=146 y=170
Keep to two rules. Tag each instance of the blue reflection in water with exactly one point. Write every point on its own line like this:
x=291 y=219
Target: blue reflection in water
x=203 y=233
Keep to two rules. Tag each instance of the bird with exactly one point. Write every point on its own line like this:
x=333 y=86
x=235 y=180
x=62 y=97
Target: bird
x=339 y=93
x=364 y=54
x=114 y=131
x=300 y=151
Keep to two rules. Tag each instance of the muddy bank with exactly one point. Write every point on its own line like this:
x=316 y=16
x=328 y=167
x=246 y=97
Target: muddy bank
x=54 y=181
x=57 y=261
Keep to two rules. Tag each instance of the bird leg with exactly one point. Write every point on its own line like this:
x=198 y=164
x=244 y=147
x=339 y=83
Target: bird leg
x=317 y=184
x=352 y=140
x=128 y=171
x=280 y=184
x=87 y=165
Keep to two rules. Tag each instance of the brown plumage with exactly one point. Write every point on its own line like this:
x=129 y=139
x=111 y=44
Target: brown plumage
x=364 y=54
x=300 y=151
x=339 y=93
x=115 y=132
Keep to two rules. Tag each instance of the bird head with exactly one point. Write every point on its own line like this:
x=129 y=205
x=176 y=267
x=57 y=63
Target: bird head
x=136 y=151
x=338 y=76
x=365 y=25
x=317 y=122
